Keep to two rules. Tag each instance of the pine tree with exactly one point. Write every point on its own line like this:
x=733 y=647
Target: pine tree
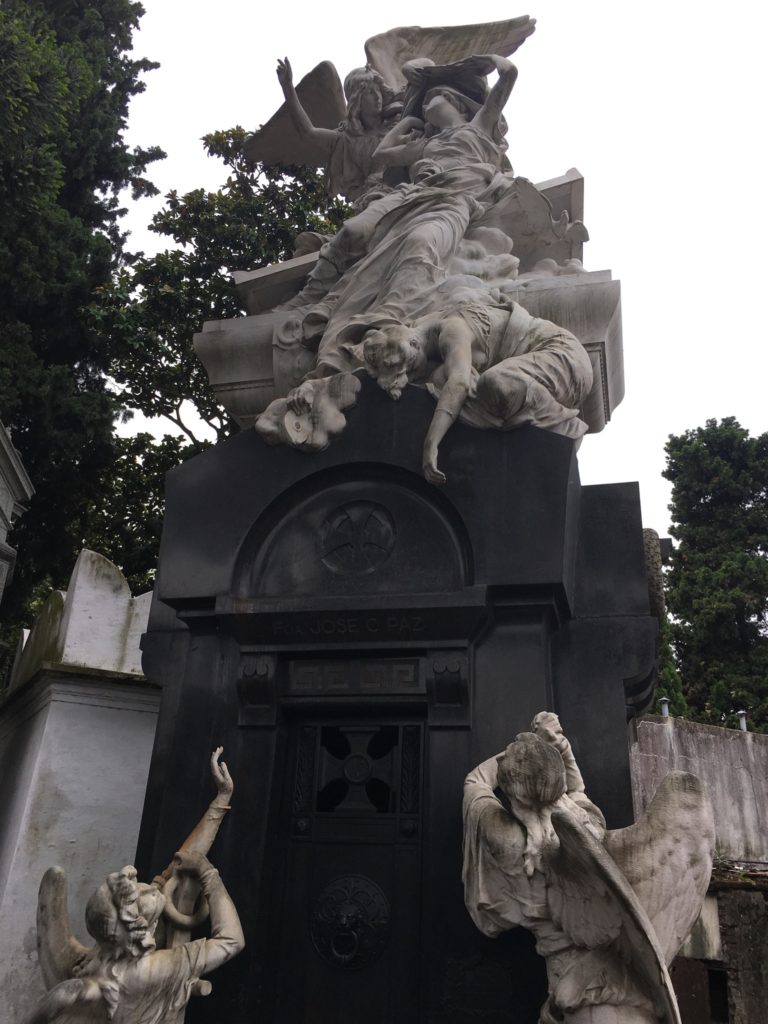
x=717 y=587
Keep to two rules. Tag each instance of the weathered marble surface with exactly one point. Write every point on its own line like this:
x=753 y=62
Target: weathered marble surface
x=316 y=127
x=443 y=232
x=253 y=360
x=76 y=732
x=732 y=764
x=75 y=747
x=609 y=909
x=143 y=967
x=95 y=624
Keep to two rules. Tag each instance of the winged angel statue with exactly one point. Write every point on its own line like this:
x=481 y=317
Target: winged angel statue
x=609 y=909
x=143 y=968
x=315 y=127
x=417 y=286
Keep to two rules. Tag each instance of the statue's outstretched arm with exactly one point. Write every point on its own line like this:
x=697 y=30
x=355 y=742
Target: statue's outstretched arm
x=456 y=350
x=201 y=838
x=227 y=937
x=488 y=116
x=326 y=137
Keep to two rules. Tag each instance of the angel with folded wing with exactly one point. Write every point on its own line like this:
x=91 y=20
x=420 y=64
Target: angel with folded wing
x=609 y=909
x=143 y=968
x=314 y=127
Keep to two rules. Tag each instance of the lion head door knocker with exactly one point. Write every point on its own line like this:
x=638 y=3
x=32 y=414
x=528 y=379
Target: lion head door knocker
x=350 y=922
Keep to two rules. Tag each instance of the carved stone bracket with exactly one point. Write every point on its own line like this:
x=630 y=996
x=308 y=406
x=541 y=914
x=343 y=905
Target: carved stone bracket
x=257 y=690
x=448 y=689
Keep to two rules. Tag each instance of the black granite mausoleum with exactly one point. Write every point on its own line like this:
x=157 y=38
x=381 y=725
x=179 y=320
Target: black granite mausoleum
x=358 y=640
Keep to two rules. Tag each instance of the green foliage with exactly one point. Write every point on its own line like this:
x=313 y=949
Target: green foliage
x=65 y=84
x=152 y=309
x=670 y=684
x=717 y=587
x=126 y=521
x=87 y=331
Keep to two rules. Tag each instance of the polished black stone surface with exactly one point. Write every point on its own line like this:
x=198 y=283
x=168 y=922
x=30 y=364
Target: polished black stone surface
x=358 y=640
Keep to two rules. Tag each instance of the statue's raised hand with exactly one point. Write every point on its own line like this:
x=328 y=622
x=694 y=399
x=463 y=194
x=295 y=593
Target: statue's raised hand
x=285 y=74
x=190 y=862
x=546 y=725
x=224 y=784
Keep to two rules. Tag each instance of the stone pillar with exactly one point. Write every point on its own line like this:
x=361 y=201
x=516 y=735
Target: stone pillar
x=76 y=734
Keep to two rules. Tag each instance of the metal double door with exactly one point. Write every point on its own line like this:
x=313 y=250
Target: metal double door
x=348 y=909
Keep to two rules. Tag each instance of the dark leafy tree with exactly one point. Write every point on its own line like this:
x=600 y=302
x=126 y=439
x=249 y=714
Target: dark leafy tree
x=126 y=521
x=151 y=310
x=717 y=586
x=670 y=684
x=88 y=331
x=66 y=80
x=154 y=307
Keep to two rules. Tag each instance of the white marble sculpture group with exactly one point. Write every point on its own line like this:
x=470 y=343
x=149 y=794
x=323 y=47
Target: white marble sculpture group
x=418 y=285
x=609 y=909
x=143 y=967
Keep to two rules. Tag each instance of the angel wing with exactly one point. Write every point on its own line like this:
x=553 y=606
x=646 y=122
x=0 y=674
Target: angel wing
x=76 y=1001
x=322 y=96
x=592 y=902
x=58 y=950
x=388 y=51
x=667 y=857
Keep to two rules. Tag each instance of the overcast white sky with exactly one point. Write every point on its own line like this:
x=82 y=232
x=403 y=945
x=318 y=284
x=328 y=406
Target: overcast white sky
x=661 y=106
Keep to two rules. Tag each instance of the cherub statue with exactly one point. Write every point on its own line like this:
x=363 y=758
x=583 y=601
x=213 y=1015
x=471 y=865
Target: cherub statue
x=489 y=363
x=127 y=977
x=609 y=910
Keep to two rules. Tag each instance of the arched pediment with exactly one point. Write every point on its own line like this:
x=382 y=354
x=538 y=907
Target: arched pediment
x=355 y=529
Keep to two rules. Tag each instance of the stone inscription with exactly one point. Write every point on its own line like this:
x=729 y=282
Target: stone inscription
x=356 y=676
x=346 y=626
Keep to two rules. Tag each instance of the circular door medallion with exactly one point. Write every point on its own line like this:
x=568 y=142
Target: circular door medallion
x=357 y=538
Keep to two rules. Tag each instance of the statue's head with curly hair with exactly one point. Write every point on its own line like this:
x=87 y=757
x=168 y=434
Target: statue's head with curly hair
x=122 y=914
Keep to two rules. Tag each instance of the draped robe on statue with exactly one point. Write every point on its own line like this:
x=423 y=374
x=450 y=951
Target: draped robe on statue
x=419 y=232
